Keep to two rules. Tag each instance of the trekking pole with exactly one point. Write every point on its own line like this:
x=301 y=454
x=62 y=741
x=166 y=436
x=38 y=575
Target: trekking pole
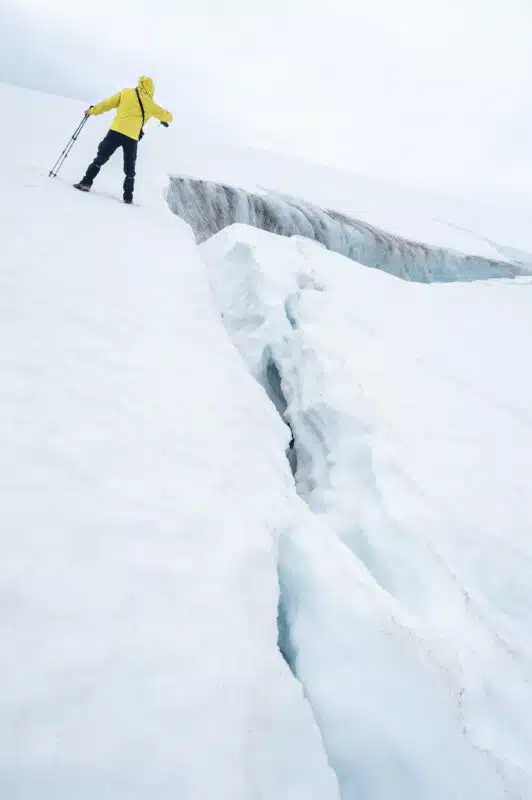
x=64 y=155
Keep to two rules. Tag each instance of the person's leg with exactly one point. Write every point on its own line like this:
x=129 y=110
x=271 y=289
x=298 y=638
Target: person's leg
x=106 y=148
x=130 y=160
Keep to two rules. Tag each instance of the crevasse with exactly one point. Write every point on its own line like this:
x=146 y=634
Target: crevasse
x=394 y=631
x=208 y=207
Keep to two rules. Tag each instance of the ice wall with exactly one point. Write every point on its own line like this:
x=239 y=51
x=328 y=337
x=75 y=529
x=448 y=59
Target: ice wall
x=208 y=207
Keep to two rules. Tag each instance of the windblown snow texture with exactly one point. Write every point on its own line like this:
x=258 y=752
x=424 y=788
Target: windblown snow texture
x=208 y=207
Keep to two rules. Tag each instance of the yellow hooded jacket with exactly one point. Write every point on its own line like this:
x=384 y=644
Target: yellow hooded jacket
x=128 y=119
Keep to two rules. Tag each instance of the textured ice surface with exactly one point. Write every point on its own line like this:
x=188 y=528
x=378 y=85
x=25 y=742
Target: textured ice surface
x=407 y=608
x=208 y=207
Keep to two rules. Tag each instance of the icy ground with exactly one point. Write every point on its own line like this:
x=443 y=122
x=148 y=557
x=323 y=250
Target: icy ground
x=183 y=617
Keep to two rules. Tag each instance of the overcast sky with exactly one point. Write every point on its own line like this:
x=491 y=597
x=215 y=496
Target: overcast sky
x=418 y=91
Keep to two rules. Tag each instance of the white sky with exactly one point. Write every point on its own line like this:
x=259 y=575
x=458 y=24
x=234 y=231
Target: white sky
x=433 y=92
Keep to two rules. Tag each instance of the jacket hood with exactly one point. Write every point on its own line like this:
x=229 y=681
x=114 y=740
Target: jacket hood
x=146 y=84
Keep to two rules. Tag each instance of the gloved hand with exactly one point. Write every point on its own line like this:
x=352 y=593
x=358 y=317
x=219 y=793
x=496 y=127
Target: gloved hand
x=166 y=124
x=88 y=111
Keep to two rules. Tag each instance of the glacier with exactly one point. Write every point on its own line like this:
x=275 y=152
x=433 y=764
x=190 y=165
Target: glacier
x=208 y=207
x=265 y=511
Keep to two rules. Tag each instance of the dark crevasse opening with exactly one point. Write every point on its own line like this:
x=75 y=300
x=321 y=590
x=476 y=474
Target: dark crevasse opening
x=273 y=387
x=275 y=393
x=283 y=634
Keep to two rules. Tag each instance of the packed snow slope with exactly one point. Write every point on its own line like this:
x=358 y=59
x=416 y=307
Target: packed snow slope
x=190 y=606
x=209 y=207
x=138 y=567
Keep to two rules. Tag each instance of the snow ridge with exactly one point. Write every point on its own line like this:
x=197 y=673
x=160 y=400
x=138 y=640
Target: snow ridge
x=209 y=207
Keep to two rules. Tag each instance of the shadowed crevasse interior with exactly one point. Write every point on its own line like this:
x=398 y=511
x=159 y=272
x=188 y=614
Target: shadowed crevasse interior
x=208 y=207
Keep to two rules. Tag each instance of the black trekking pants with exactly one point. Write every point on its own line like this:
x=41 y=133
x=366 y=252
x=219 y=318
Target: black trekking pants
x=106 y=148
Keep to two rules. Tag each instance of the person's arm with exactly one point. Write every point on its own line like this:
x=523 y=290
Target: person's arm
x=161 y=113
x=105 y=105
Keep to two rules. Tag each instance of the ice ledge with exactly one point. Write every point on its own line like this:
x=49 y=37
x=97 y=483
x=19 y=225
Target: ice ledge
x=208 y=207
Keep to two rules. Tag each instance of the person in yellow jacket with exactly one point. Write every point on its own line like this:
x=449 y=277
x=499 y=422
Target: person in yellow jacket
x=135 y=108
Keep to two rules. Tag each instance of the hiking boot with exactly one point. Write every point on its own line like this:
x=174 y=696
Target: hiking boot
x=128 y=201
x=83 y=187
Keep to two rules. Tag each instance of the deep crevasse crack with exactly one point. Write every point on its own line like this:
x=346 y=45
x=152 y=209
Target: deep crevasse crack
x=352 y=582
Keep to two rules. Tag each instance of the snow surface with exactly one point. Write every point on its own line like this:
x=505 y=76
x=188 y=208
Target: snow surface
x=138 y=569
x=158 y=556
